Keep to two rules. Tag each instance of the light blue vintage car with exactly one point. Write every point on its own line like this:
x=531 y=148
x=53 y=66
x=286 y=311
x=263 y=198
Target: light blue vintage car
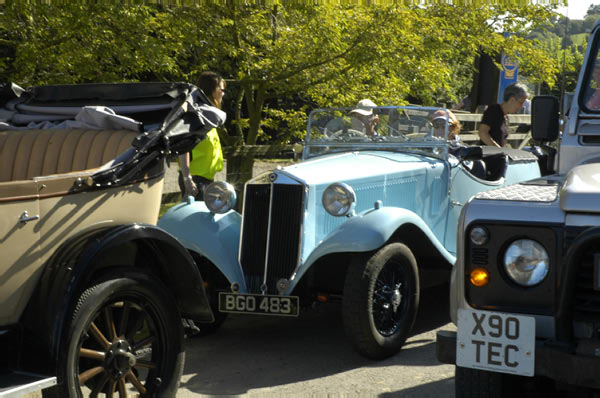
x=367 y=219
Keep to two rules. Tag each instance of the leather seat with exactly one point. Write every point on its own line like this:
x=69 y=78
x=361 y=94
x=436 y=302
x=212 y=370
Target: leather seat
x=478 y=169
x=25 y=154
x=496 y=166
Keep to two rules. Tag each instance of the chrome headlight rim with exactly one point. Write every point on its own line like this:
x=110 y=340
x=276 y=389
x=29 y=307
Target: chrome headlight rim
x=339 y=199
x=526 y=262
x=220 y=197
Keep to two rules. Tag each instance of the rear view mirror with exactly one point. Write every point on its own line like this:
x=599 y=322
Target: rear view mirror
x=544 y=118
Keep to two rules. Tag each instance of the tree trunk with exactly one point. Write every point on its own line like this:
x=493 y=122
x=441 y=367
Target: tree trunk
x=239 y=170
x=239 y=166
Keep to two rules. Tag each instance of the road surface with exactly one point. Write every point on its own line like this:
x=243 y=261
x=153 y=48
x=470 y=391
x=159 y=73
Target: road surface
x=309 y=356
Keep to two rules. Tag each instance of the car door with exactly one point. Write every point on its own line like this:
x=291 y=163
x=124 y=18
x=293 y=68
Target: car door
x=463 y=186
x=19 y=247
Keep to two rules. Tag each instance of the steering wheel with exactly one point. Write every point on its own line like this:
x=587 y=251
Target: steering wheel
x=397 y=133
x=348 y=133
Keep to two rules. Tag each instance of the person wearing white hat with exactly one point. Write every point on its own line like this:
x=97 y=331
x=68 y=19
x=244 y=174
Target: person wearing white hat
x=364 y=117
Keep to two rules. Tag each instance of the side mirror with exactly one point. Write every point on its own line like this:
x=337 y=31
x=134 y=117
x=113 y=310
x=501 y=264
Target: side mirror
x=544 y=118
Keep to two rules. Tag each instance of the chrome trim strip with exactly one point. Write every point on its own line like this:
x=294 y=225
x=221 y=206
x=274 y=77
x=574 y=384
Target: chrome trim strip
x=241 y=240
x=268 y=237
x=301 y=232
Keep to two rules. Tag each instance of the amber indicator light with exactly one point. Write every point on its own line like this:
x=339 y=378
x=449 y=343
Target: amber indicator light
x=322 y=297
x=480 y=277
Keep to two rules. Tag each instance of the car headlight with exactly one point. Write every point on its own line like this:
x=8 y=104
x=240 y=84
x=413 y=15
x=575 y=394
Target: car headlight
x=339 y=199
x=526 y=262
x=219 y=197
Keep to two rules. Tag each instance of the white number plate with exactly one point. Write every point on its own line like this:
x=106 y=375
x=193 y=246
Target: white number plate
x=258 y=304
x=496 y=341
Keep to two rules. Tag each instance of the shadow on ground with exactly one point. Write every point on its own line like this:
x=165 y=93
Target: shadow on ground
x=253 y=352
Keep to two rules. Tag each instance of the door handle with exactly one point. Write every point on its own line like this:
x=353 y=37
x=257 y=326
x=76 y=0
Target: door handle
x=25 y=217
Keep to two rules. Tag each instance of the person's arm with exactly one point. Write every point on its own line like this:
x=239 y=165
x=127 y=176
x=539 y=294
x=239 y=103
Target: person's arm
x=184 y=165
x=593 y=101
x=484 y=135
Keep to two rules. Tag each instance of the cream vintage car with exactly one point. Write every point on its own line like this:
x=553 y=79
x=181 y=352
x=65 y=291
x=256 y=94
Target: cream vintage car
x=91 y=291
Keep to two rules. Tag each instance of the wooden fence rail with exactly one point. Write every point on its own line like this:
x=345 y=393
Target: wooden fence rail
x=470 y=122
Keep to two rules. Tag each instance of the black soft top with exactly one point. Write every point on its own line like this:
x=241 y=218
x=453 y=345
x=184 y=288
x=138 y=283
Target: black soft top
x=170 y=117
x=92 y=93
x=45 y=106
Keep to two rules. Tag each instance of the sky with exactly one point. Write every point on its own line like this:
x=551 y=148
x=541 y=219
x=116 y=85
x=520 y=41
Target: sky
x=577 y=8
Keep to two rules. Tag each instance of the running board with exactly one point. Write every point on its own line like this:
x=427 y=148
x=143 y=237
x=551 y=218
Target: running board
x=16 y=384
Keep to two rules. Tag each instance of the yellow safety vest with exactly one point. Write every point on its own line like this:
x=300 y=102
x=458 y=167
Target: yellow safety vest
x=207 y=156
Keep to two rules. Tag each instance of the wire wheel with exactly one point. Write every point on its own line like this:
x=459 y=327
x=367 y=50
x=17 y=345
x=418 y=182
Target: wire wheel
x=389 y=305
x=381 y=298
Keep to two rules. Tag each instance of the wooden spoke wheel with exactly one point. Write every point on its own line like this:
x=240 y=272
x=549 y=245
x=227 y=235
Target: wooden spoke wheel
x=125 y=341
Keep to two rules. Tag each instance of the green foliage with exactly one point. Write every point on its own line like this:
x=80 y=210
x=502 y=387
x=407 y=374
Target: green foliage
x=322 y=55
x=564 y=41
x=280 y=59
x=79 y=43
x=580 y=39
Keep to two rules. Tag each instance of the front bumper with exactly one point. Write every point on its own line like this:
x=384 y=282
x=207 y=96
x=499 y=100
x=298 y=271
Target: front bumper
x=554 y=362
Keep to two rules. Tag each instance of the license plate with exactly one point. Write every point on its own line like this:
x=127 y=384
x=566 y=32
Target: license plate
x=258 y=304
x=496 y=341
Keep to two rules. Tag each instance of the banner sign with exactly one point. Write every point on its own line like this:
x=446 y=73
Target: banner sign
x=508 y=74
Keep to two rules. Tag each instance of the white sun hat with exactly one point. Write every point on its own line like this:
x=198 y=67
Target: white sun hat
x=364 y=107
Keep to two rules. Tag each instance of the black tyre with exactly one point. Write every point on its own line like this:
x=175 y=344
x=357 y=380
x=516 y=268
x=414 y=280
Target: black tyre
x=381 y=298
x=125 y=339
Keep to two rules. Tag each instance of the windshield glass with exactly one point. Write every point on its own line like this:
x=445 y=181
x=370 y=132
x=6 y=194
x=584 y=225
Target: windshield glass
x=591 y=94
x=378 y=128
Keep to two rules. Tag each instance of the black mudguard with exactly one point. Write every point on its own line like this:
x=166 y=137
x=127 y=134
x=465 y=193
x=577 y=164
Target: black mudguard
x=91 y=256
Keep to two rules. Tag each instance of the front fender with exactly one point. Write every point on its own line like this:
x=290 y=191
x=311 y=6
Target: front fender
x=117 y=250
x=214 y=236
x=371 y=230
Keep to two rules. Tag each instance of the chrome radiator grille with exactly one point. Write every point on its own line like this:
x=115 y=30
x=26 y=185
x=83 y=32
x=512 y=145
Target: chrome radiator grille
x=282 y=239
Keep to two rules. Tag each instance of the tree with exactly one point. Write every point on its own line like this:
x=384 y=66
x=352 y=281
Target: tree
x=593 y=9
x=280 y=60
x=79 y=43
x=335 y=55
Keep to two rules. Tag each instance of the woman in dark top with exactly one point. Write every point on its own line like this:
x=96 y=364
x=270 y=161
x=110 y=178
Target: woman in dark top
x=493 y=129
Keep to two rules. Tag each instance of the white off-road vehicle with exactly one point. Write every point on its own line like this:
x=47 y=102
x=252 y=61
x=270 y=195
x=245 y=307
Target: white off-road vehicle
x=525 y=291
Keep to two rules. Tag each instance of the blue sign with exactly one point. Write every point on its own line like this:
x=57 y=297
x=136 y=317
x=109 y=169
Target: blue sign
x=508 y=74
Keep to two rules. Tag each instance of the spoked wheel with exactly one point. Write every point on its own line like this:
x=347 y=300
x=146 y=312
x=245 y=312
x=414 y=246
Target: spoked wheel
x=381 y=297
x=388 y=305
x=125 y=341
